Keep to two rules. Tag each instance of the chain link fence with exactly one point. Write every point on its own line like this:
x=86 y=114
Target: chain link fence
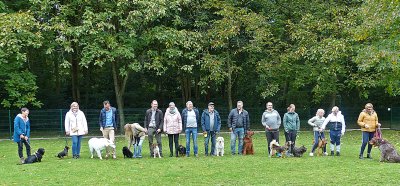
x=50 y=122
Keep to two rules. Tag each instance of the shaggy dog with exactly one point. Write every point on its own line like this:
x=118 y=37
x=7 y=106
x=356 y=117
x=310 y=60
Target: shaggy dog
x=388 y=152
x=156 y=150
x=181 y=150
x=276 y=148
x=63 y=153
x=37 y=157
x=99 y=144
x=299 y=151
x=219 y=147
x=321 y=146
x=248 y=143
x=127 y=153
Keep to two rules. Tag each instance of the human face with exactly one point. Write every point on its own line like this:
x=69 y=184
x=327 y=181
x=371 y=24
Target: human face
x=269 y=106
x=320 y=114
x=292 y=108
x=107 y=106
x=154 y=105
x=210 y=108
x=369 y=109
x=171 y=106
x=239 y=105
x=74 y=107
x=189 y=106
x=25 y=113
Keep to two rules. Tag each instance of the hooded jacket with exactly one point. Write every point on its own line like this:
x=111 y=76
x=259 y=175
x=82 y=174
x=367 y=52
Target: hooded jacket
x=172 y=122
x=21 y=127
x=368 y=119
x=339 y=118
x=73 y=122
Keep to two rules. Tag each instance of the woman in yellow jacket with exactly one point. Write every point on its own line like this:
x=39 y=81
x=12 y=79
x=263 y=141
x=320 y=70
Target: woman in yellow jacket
x=368 y=121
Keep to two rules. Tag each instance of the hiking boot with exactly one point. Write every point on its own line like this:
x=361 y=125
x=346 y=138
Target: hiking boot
x=332 y=153
x=360 y=156
x=369 y=156
x=22 y=160
x=337 y=153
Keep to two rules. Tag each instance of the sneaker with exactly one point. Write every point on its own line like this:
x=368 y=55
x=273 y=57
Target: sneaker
x=337 y=153
x=332 y=153
x=311 y=154
x=278 y=155
x=171 y=155
x=325 y=154
x=369 y=156
x=114 y=156
x=196 y=155
x=22 y=160
x=360 y=157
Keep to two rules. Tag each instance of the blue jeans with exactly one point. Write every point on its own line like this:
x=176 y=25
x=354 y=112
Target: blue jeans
x=76 y=145
x=335 y=136
x=366 y=136
x=317 y=136
x=193 y=131
x=237 y=132
x=210 y=134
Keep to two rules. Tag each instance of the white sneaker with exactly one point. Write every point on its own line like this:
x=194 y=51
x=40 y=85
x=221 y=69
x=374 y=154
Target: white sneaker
x=325 y=153
x=311 y=154
x=114 y=156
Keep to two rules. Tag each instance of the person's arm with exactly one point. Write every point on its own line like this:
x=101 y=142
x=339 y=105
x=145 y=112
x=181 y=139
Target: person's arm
x=218 y=121
x=248 y=121
x=297 y=122
x=343 y=125
x=285 y=123
x=264 y=120
x=179 y=122
x=101 y=121
x=28 y=129
x=203 y=121
x=230 y=118
x=312 y=120
x=17 y=128
x=67 y=124
x=84 y=122
x=145 y=120
x=360 y=120
x=161 y=122
x=377 y=121
x=278 y=117
x=116 y=119
x=327 y=119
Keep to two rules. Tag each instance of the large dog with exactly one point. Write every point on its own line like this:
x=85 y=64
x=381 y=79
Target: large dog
x=388 y=152
x=276 y=148
x=219 y=147
x=63 y=153
x=37 y=157
x=248 y=143
x=99 y=144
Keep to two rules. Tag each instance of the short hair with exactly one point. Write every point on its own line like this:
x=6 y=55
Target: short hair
x=335 y=108
x=267 y=104
x=24 y=109
x=239 y=102
x=74 y=103
x=320 y=110
x=171 y=103
x=154 y=101
x=106 y=102
x=189 y=102
x=369 y=105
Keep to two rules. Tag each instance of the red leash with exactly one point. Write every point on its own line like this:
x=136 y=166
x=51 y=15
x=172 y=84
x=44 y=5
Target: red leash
x=378 y=133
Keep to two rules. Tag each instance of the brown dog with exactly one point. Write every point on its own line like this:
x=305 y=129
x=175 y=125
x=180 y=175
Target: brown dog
x=321 y=146
x=388 y=152
x=276 y=148
x=248 y=143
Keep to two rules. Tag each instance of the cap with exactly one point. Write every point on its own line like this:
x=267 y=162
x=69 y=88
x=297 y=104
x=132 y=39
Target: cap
x=211 y=103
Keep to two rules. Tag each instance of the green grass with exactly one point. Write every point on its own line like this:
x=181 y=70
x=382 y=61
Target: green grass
x=228 y=170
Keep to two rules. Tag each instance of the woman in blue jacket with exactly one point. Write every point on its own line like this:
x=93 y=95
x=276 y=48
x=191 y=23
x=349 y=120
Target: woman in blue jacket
x=22 y=133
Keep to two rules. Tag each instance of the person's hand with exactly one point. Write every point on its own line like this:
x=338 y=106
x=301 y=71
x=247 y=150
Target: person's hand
x=379 y=124
x=230 y=129
x=86 y=132
x=267 y=127
x=366 y=126
x=101 y=129
x=158 y=131
x=26 y=138
x=204 y=132
x=67 y=133
x=342 y=133
x=320 y=130
x=21 y=136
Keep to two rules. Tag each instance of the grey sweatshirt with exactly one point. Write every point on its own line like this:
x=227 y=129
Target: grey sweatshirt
x=316 y=122
x=271 y=119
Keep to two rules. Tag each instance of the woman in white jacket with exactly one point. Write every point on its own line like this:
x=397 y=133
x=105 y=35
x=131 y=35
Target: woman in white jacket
x=76 y=127
x=335 y=122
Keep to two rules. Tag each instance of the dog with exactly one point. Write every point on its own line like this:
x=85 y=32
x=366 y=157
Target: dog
x=156 y=150
x=276 y=148
x=388 y=152
x=126 y=152
x=299 y=151
x=63 y=153
x=219 y=147
x=37 y=157
x=321 y=146
x=248 y=143
x=181 y=150
x=99 y=144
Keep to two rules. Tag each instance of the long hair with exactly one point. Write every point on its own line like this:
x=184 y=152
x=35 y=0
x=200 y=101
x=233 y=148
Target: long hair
x=128 y=131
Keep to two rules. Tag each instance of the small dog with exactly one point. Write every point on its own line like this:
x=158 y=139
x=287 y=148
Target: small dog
x=388 y=152
x=299 y=151
x=37 y=157
x=248 y=143
x=63 y=153
x=99 y=144
x=127 y=153
x=181 y=150
x=156 y=150
x=321 y=146
x=276 y=148
x=219 y=149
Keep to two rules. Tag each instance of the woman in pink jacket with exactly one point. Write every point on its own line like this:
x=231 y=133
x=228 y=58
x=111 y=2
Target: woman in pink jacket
x=172 y=126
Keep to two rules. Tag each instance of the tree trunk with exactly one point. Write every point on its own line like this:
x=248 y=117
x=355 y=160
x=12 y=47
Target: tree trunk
x=333 y=100
x=75 y=77
x=119 y=86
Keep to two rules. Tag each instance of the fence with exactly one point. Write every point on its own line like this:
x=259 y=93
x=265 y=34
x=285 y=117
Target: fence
x=45 y=123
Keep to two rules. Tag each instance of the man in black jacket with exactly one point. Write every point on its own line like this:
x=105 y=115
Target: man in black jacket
x=153 y=122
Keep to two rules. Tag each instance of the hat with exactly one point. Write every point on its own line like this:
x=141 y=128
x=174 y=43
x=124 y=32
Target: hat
x=211 y=103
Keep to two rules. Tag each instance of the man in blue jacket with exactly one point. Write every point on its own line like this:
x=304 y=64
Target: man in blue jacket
x=238 y=124
x=190 y=119
x=22 y=133
x=211 y=124
x=108 y=124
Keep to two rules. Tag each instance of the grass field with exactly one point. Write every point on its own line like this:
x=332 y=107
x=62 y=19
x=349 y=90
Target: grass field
x=228 y=170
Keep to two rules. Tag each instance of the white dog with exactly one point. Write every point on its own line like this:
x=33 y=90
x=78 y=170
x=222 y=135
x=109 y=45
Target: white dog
x=156 y=150
x=99 y=144
x=220 y=146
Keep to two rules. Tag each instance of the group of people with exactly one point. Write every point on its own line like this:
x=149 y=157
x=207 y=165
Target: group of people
x=209 y=123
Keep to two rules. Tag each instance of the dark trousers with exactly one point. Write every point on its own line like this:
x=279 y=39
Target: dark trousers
x=291 y=136
x=366 y=136
x=271 y=135
x=152 y=132
x=20 y=148
x=173 y=138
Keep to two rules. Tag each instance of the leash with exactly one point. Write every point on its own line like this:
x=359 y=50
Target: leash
x=378 y=133
x=66 y=140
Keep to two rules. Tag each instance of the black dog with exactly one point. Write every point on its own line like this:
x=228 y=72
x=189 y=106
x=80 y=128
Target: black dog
x=299 y=151
x=127 y=153
x=63 y=153
x=181 y=150
x=37 y=157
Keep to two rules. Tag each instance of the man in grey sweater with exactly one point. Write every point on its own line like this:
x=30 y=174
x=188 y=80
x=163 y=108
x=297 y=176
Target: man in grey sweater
x=271 y=120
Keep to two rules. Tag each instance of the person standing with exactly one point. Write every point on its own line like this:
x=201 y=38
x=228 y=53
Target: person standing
x=108 y=124
x=76 y=127
x=190 y=120
x=22 y=133
x=316 y=122
x=368 y=121
x=337 y=127
x=210 y=124
x=238 y=124
x=153 y=122
x=291 y=123
x=172 y=126
x=271 y=120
